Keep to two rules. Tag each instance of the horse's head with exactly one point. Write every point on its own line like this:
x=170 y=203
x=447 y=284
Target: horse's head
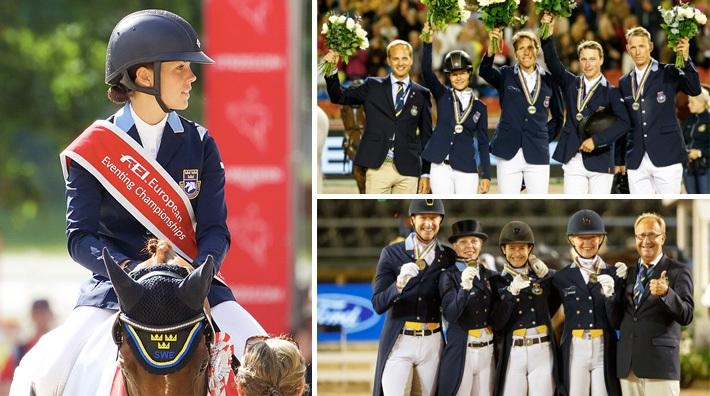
x=162 y=332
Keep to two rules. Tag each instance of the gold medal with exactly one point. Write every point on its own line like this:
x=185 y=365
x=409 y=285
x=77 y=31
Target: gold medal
x=536 y=289
x=419 y=255
x=582 y=101
x=636 y=106
x=593 y=278
x=530 y=99
x=421 y=264
x=471 y=263
x=458 y=116
x=458 y=128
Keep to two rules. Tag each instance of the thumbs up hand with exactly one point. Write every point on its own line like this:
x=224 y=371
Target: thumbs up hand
x=659 y=286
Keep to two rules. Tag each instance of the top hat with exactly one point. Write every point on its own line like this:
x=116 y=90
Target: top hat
x=464 y=228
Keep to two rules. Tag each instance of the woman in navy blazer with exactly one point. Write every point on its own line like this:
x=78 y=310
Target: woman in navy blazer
x=697 y=127
x=461 y=129
x=528 y=95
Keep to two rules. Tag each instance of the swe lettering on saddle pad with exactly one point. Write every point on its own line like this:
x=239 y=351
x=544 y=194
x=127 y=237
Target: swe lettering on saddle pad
x=139 y=184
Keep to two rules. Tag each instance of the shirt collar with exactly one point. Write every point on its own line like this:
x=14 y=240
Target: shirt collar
x=124 y=120
x=394 y=81
x=539 y=69
x=654 y=261
x=409 y=242
x=592 y=82
x=653 y=65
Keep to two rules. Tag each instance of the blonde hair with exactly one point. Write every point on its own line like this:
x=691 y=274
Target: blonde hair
x=590 y=45
x=272 y=367
x=703 y=97
x=650 y=215
x=638 y=31
x=397 y=42
x=528 y=35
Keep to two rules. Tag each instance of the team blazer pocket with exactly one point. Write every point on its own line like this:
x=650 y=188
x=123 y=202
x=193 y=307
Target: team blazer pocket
x=665 y=341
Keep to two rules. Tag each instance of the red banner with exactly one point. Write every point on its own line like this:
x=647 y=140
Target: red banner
x=248 y=112
x=140 y=185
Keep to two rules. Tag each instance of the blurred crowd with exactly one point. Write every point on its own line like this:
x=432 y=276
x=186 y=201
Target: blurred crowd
x=605 y=21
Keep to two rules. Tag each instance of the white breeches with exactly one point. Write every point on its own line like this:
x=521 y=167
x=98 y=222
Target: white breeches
x=421 y=353
x=652 y=179
x=511 y=174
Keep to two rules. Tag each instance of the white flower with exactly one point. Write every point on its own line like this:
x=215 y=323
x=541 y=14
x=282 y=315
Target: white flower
x=341 y=19
x=365 y=44
x=324 y=30
x=350 y=24
x=465 y=15
x=685 y=12
x=484 y=3
x=700 y=18
x=333 y=19
x=675 y=31
x=360 y=32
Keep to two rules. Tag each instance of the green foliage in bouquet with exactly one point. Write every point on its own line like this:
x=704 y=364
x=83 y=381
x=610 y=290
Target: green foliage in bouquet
x=560 y=8
x=441 y=13
x=681 y=21
x=344 y=35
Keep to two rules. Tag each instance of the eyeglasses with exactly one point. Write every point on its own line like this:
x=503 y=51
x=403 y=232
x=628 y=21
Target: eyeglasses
x=651 y=236
x=253 y=340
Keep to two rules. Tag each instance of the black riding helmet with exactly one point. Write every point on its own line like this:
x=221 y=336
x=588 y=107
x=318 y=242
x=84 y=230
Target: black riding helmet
x=426 y=206
x=457 y=60
x=150 y=36
x=585 y=222
x=516 y=232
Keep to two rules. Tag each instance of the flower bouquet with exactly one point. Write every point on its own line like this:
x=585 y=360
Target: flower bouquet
x=499 y=13
x=343 y=35
x=681 y=21
x=441 y=13
x=555 y=7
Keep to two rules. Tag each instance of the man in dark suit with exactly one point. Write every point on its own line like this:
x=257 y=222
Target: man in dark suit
x=658 y=300
x=397 y=124
x=655 y=150
x=406 y=289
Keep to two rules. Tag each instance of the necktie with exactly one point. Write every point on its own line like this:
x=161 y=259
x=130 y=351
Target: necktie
x=640 y=284
x=399 y=99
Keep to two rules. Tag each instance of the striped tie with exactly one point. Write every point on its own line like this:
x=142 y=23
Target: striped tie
x=640 y=284
x=399 y=99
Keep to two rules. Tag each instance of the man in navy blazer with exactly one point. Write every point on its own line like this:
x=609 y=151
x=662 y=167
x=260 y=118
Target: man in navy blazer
x=406 y=290
x=397 y=124
x=531 y=116
x=655 y=151
x=657 y=301
x=588 y=162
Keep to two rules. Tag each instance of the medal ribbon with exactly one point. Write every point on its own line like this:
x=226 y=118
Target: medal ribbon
x=582 y=104
x=597 y=264
x=457 y=113
x=507 y=268
x=531 y=101
x=419 y=254
x=636 y=92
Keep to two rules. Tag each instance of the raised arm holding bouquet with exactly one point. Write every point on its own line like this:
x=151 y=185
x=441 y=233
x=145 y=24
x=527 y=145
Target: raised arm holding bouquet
x=681 y=22
x=344 y=36
x=441 y=13
x=498 y=14
x=561 y=8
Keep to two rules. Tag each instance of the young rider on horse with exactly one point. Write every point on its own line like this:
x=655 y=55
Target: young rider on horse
x=148 y=67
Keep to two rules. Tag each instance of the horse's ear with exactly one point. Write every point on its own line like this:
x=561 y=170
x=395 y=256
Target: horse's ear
x=128 y=291
x=194 y=288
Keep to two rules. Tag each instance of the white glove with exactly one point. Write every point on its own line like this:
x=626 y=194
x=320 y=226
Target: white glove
x=519 y=283
x=406 y=272
x=607 y=284
x=467 y=277
x=539 y=268
x=621 y=270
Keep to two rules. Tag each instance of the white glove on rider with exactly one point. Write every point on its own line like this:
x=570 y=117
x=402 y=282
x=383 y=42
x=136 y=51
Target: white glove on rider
x=621 y=270
x=607 y=284
x=406 y=272
x=538 y=266
x=467 y=277
x=519 y=283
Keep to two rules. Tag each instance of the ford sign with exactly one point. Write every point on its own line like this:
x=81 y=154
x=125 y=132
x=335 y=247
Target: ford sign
x=352 y=313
